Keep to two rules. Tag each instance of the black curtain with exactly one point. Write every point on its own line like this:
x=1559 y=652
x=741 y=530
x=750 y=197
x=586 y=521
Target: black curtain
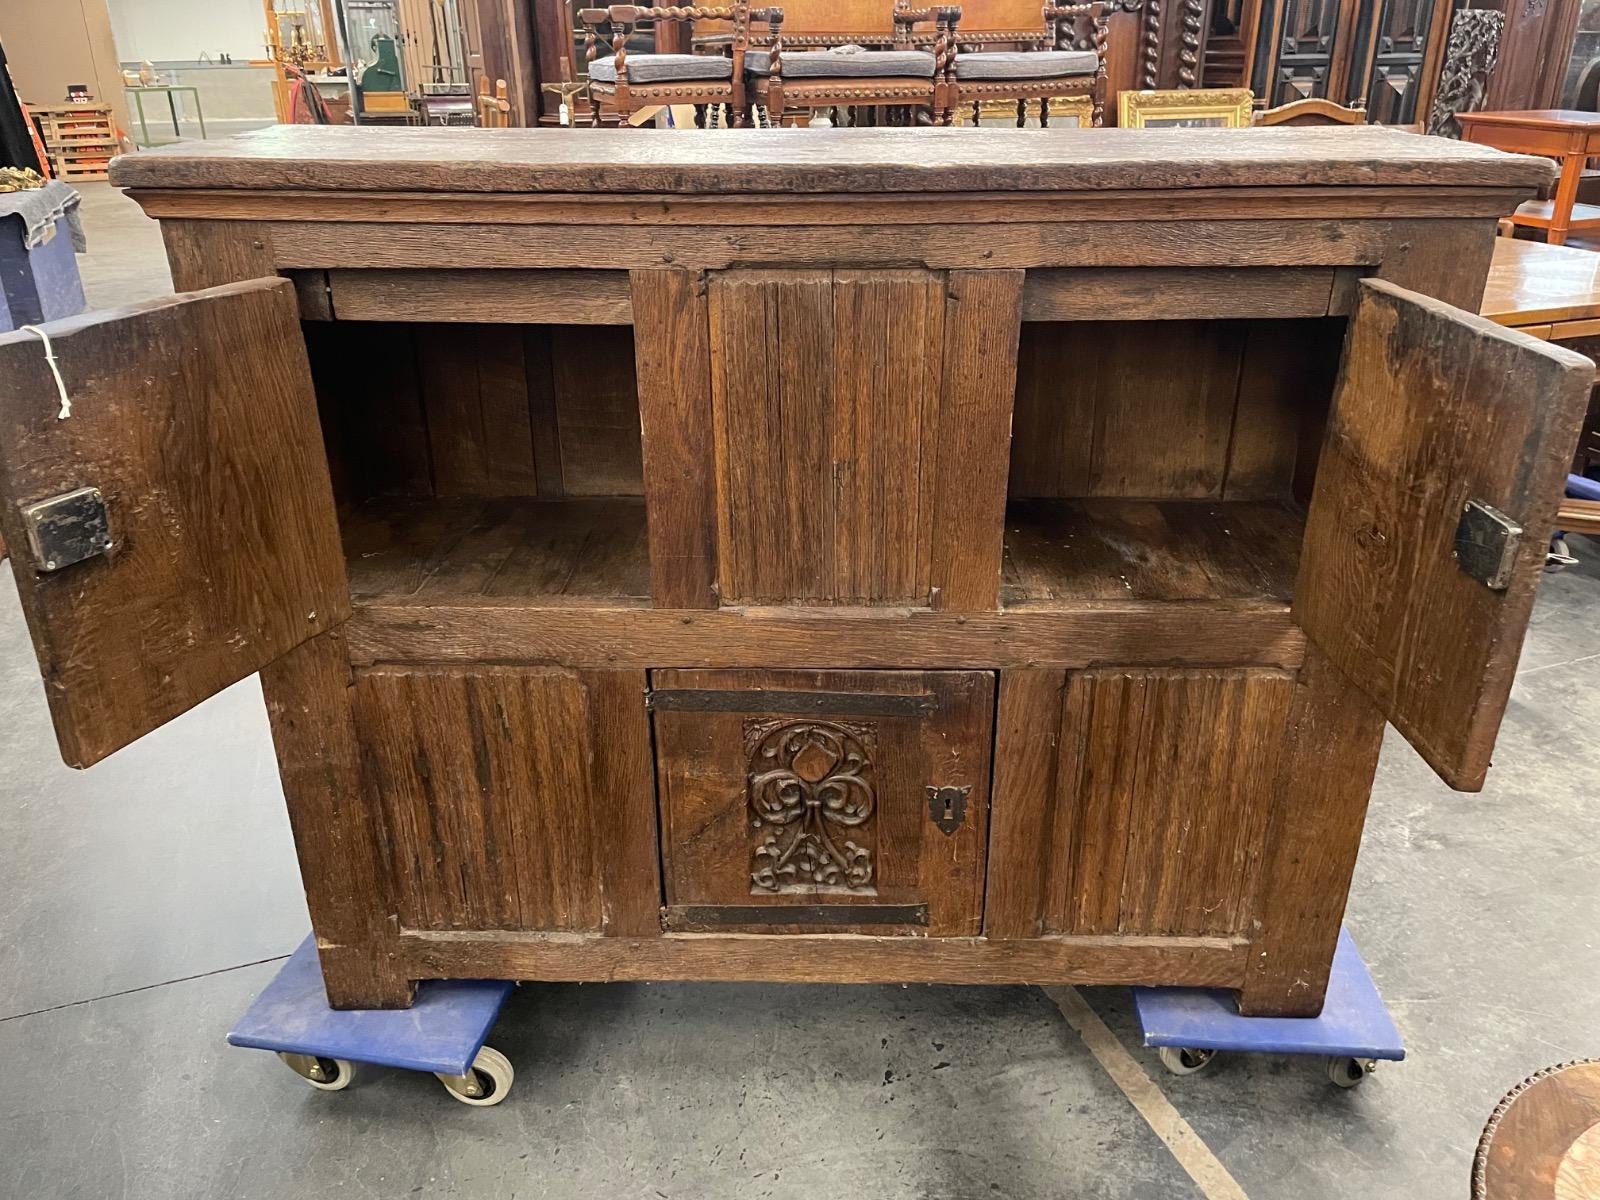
x=16 y=139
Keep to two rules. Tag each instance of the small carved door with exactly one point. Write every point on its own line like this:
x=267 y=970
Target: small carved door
x=824 y=801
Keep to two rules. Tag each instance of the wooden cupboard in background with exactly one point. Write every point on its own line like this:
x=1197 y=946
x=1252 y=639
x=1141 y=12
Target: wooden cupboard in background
x=833 y=562
x=1381 y=55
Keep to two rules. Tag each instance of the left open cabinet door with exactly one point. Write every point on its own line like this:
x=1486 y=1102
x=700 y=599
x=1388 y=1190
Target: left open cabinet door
x=176 y=532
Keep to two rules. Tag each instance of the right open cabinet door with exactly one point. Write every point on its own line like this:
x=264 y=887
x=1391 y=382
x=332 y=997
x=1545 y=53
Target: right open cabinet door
x=1445 y=457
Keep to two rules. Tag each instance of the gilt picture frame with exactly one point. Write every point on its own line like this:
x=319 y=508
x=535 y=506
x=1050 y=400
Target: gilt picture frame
x=1196 y=108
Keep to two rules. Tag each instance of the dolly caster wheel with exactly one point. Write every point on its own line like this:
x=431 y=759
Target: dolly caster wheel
x=1349 y=1072
x=324 y=1074
x=487 y=1082
x=1185 y=1060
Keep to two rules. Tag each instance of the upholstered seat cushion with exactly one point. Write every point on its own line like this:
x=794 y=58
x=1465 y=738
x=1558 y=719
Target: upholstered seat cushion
x=850 y=62
x=1026 y=64
x=665 y=68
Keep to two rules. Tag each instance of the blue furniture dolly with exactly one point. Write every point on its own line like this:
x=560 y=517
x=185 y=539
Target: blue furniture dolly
x=443 y=1032
x=1354 y=1033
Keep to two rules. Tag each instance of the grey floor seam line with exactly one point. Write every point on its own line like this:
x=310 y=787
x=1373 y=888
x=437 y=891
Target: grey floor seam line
x=1186 y=1146
x=142 y=988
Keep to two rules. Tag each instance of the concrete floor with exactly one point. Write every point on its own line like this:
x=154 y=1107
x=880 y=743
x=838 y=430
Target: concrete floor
x=140 y=902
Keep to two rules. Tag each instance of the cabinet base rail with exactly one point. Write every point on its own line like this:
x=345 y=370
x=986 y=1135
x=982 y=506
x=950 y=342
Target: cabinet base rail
x=824 y=958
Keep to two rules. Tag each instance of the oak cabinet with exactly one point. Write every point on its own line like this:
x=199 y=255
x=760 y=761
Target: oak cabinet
x=961 y=556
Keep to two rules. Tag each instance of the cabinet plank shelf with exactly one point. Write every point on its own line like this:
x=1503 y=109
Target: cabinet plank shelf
x=1060 y=553
x=516 y=550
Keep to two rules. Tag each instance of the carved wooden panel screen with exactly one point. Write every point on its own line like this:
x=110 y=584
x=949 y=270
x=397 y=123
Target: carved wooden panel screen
x=1381 y=54
x=1398 y=45
x=1298 y=53
x=861 y=420
x=824 y=801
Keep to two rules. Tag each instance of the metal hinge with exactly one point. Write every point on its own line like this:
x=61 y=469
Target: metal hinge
x=1487 y=542
x=947 y=807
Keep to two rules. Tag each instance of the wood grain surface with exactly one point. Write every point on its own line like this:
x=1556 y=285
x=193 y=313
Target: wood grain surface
x=1319 y=803
x=797 y=160
x=514 y=798
x=704 y=759
x=422 y=551
x=1434 y=408
x=507 y=629
x=825 y=391
x=1072 y=551
x=672 y=350
x=830 y=958
x=196 y=418
x=1184 y=408
x=338 y=828
x=1154 y=811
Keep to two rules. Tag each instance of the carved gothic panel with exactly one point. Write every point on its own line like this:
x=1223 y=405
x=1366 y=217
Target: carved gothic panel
x=1470 y=57
x=836 y=800
x=812 y=803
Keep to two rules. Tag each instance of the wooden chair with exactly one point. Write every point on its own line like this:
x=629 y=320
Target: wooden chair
x=829 y=62
x=1007 y=50
x=494 y=111
x=1313 y=110
x=622 y=84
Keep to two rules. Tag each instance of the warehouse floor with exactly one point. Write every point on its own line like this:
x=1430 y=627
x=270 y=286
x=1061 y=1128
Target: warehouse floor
x=143 y=903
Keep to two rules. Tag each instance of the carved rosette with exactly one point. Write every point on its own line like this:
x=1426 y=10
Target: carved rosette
x=811 y=796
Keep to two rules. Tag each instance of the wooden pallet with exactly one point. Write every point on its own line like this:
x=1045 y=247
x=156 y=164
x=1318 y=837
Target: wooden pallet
x=81 y=139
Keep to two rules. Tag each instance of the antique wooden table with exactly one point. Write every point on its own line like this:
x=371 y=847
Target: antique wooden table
x=1548 y=291
x=925 y=555
x=1543 y=1140
x=1553 y=293
x=1570 y=135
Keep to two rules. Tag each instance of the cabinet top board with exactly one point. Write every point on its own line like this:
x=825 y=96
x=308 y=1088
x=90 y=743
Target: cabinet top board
x=337 y=158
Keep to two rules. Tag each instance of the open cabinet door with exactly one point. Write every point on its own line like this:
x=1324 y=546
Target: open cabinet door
x=1445 y=456
x=176 y=532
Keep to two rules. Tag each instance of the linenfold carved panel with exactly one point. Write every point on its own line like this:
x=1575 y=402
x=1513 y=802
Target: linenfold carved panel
x=812 y=803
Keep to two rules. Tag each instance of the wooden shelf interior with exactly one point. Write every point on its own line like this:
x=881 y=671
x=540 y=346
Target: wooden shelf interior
x=1061 y=553
x=416 y=550
x=484 y=463
x=1151 y=461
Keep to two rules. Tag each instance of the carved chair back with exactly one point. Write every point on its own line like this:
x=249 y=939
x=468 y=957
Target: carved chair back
x=1313 y=110
x=820 y=23
x=1003 y=21
x=620 y=94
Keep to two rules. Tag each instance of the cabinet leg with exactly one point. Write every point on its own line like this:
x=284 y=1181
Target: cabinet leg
x=1324 y=781
x=361 y=977
x=336 y=824
x=1282 y=993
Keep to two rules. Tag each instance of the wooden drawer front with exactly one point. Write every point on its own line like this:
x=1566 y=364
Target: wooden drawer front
x=807 y=800
x=514 y=798
x=1133 y=802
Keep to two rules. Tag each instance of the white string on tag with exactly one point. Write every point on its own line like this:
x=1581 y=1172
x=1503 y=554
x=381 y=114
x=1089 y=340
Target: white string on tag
x=50 y=357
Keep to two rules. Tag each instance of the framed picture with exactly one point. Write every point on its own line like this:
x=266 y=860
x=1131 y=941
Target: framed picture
x=1198 y=108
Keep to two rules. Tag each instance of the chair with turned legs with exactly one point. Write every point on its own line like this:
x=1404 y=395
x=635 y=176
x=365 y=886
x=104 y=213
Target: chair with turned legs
x=622 y=84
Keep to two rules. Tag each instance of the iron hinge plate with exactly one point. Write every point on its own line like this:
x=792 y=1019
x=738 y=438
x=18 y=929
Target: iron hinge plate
x=1487 y=542
x=67 y=529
